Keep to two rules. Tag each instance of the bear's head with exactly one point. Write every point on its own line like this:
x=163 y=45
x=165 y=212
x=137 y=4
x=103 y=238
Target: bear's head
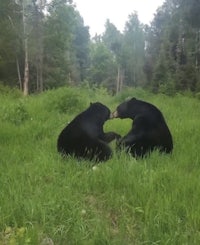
x=128 y=109
x=99 y=111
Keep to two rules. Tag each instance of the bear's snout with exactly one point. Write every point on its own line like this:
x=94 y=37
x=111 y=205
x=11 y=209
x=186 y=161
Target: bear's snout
x=114 y=115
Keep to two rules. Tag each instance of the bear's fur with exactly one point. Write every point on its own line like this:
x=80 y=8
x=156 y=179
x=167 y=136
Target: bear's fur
x=84 y=137
x=149 y=130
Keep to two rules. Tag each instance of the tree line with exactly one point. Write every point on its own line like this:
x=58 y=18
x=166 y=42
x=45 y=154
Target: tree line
x=45 y=44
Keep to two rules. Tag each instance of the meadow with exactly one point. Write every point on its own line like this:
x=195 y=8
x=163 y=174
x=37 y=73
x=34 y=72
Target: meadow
x=46 y=200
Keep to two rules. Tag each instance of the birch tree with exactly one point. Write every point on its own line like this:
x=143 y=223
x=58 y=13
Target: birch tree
x=24 y=4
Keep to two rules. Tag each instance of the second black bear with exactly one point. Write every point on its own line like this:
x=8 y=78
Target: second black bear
x=84 y=137
x=149 y=130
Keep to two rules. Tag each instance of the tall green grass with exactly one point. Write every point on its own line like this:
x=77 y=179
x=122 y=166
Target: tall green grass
x=49 y=200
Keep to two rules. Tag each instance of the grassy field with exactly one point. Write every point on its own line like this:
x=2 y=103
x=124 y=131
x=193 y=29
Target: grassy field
x=47 y=200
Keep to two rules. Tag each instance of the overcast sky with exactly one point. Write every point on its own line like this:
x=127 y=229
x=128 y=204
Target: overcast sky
x=96 y=12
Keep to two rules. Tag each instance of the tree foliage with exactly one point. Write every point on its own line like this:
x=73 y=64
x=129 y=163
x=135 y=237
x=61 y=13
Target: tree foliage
x=174 y=46
x=47 y=43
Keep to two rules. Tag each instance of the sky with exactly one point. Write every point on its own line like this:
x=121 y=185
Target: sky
x=96 y=12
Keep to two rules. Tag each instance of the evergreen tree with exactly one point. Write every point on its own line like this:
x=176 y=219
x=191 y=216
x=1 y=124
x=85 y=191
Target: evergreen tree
x=174 y=36
x=113 y=40
x=66 y=45
x=103 y=68
x=10 y=42
x=134 y=51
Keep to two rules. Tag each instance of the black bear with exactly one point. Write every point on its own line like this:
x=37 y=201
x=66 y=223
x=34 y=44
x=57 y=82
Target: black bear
x=84 y=137
x=149 y=130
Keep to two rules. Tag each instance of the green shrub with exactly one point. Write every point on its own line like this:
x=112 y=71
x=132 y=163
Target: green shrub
x=167 y=88
x=94 y=92
x=15 y=113
x=66 y=100
x=197 y=95
x=131 y=92
x=12 y=92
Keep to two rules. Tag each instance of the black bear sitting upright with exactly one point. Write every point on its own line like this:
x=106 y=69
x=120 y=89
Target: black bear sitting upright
x=149 y=129
x=84 y=137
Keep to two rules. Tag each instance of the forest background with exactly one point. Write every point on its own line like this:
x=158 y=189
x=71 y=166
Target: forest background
x=48 y=200
x=45 y=45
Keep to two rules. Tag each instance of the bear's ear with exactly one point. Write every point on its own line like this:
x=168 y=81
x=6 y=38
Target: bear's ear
x=91 y=103
x=130 y=99
x=133 y=99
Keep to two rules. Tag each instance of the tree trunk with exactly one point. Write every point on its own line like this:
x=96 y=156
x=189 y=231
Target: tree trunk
x=118 y=80
x=26 y=68
x=197 y=51
x=19 y=74
x=39 y=7
x=121 y=80
x=40 y=70
x=26 y=65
